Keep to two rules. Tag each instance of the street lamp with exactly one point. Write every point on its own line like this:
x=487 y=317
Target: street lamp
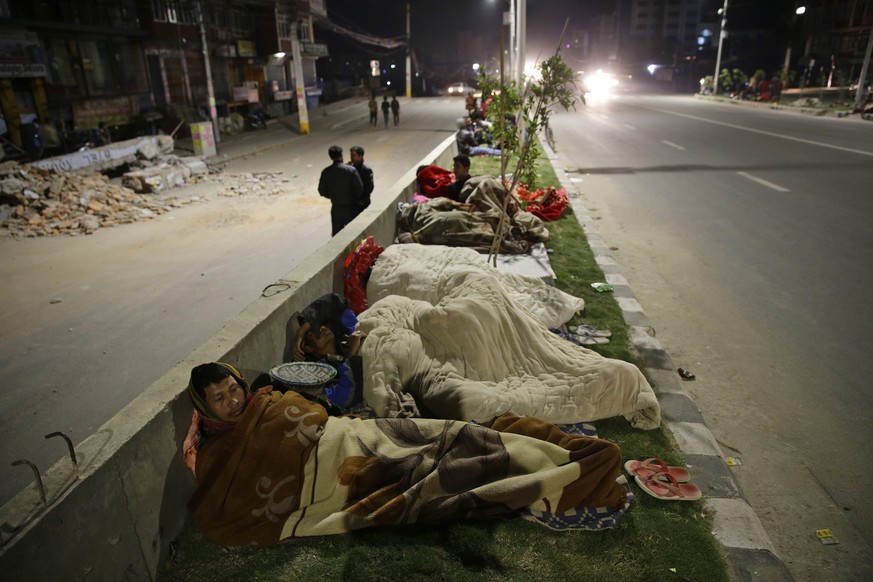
x=517 y=20
x=799 y=11
x=721 y=35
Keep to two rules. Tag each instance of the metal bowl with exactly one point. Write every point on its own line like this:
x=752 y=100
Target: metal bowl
x=305 y=377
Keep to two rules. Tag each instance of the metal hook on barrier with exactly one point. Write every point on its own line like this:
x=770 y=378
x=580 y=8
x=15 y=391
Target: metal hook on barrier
x=69 y=446
x=38 y=478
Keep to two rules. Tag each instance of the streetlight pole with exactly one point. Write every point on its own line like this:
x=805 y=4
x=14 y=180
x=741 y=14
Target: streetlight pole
x=859 y=92
x=721 y=34
x=408 y=53
x=521 y=17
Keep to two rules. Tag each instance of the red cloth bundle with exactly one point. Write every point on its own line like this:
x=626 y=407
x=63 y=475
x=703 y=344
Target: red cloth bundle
x=357 y=271
x=434 y=181
x=548 y=204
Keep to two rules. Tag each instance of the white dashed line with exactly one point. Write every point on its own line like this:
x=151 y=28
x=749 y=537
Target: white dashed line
x=763 y=182
x=672 y=145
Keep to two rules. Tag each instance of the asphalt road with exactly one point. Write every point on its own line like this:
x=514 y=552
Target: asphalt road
x=90 y=322
x=747 y=236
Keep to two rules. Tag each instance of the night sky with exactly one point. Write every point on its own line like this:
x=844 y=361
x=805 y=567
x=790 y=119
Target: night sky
x=435 y=23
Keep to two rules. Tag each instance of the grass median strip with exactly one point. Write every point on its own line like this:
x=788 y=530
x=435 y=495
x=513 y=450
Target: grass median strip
x=654 y=540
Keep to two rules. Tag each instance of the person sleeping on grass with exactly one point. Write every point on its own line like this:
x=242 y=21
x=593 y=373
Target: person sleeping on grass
x=273 y=466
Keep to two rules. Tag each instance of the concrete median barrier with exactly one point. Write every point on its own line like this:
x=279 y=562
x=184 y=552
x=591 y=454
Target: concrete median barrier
x=113 y=515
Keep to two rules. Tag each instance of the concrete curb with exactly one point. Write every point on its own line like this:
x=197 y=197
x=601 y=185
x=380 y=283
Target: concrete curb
x=747 y=547
x=811 y=111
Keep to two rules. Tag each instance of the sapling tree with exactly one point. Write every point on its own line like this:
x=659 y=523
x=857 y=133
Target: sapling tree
x=554 y=85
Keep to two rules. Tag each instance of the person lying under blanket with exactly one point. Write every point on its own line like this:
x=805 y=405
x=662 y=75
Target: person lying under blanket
x=473 y=354
x=273 y=466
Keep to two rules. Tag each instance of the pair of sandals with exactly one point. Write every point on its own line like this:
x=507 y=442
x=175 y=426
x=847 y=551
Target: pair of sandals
x=663 y=482
x=587 y=335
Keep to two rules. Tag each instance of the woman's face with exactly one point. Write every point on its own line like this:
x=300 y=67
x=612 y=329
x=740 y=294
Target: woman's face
x=226 y=399
x=319 y=347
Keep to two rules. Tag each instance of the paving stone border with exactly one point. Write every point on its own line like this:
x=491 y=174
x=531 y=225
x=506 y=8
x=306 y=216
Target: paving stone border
x=747 y=547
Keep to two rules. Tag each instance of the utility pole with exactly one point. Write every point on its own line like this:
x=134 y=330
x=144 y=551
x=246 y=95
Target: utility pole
x=721 y=35
x=408 y=54
x=210 y=90
x=302 y=112
x=859 y=92
x=522 y=35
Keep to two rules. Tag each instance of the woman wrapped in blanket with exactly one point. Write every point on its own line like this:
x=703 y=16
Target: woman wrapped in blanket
x=273 y=466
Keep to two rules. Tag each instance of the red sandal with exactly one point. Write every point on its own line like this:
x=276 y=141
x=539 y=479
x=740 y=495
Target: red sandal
x=669 y=489
x=655 y=465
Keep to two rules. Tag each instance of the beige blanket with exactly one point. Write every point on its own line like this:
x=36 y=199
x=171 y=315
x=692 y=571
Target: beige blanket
x=477 y=353
x=430 y=272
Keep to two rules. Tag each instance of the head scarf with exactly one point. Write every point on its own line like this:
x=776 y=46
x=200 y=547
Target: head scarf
x=210 y=421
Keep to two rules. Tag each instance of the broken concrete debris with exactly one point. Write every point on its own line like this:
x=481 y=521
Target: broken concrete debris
x=37 y=201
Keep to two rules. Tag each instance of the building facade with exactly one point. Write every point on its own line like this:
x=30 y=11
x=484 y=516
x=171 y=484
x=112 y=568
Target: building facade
x=141 y=65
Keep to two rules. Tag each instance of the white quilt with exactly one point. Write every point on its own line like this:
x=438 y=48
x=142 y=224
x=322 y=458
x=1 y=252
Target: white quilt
x=430 y=272
x=477 y=353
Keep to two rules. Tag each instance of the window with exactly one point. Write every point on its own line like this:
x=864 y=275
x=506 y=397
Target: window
x=61 y=63
x=97 y=67
x=177 y=11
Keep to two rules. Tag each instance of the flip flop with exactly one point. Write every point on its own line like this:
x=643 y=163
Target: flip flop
x=686 y=375
x=590 y=330
x=653 y=466
x=590 y=340
x=669 y=489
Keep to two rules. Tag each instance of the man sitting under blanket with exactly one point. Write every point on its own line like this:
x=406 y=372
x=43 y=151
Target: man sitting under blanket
x=273 y=466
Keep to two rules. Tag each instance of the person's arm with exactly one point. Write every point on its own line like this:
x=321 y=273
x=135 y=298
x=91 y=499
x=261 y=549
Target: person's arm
x=297 y=353
x=369 y=184
x=322 y=185
x=357 y=185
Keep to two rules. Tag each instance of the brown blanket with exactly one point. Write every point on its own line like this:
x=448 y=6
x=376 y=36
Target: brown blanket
x=288 y=470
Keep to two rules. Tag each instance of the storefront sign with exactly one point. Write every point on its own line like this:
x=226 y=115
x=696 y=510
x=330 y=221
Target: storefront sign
x=246 y=48
x=117 y=111
x=313 y=49
x=21 y=55
x=282 y=95
x=12 y=70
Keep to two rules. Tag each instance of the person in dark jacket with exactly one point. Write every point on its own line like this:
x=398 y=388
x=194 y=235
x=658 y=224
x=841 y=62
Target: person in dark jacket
x=366 y=173
x=395 y=109
x=341 y=184
x=462 y=174
x=386 y=109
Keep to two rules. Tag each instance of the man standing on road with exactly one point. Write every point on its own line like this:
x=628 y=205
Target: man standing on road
x=364 y=171
x=386 y=107
x=395 y=109
x=374 y=111
x=341 y=184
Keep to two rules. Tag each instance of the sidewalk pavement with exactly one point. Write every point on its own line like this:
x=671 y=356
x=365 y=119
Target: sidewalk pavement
x=747 y=547
x=278 y=131
x=824 y=110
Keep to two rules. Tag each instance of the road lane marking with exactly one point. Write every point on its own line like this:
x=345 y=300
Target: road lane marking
x=762 y=132
x=672 y=145
x=763 y=182
x=629 y=126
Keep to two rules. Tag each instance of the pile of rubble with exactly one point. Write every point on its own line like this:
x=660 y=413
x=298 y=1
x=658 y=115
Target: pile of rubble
x=43 y=202
x=38 y=201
